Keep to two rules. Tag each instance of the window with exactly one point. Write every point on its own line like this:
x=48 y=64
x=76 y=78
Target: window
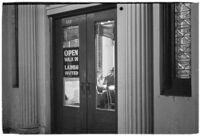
x=105 y=65
x=183 y=40
x=176 y=49
x=71 y=80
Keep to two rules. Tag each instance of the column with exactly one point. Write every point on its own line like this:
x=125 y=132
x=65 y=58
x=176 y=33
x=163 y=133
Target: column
x=135 y=69
x=27 y=69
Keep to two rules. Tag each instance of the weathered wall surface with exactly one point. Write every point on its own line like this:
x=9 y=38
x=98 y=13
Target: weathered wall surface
x=10 y=97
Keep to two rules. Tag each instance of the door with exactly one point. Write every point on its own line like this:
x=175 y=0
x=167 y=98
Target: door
x=84 y=73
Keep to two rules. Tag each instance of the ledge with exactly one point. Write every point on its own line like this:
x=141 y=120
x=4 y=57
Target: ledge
x=60 y=8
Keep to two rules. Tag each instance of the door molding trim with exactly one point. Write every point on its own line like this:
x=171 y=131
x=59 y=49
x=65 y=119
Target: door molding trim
x=60 y=8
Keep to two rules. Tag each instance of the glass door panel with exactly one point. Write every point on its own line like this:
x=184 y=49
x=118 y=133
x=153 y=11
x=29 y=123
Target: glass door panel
x=101 y=67
x=71 y=66
x=105 y=65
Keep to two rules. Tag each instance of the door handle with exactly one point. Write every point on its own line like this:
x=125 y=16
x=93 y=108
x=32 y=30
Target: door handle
x=88 y=88
x=83 y=87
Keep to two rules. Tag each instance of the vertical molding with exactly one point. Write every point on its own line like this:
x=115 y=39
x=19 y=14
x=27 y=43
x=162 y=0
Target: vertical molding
x=156 y=63
x=6 y=82
x=43 y=70
x=122 y=63
x=27 y=66
x=135 y=68
x=195 y=61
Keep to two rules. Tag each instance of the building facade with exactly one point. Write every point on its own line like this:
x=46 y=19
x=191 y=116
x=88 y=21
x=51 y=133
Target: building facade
x=100 y=68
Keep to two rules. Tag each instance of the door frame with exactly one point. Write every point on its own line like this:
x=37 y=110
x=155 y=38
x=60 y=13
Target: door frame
x=70 y=13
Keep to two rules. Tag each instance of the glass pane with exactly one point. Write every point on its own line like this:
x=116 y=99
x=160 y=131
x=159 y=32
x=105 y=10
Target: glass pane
x=71 y=36
x=183 y=40
x=71 y=66
x=105 y=65
x=71 y=92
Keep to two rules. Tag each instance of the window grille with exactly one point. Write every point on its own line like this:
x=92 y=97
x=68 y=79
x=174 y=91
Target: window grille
x=183 y=40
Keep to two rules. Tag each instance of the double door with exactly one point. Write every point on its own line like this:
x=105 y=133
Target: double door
x=84 y=73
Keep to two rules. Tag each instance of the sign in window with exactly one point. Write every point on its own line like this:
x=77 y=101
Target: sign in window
x=71 y=66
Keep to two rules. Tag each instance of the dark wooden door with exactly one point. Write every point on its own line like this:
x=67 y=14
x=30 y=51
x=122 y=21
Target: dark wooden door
x=69 y=74
x=84 y=88
x=101 y=47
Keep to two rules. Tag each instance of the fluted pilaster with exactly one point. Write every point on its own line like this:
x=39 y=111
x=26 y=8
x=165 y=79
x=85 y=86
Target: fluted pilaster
x=27 y=66
x=135 y=68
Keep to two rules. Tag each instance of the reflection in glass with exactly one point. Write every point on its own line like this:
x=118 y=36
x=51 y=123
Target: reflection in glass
x=71 y=36
x=105 y=65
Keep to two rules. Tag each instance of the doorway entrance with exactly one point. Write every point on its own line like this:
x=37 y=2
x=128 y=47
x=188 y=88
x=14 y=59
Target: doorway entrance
x=84 y=73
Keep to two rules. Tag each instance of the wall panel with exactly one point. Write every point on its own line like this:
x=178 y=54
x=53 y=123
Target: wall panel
x=172 y=114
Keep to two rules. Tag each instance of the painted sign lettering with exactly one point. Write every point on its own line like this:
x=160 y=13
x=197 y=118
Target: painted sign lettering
x=71 y=62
